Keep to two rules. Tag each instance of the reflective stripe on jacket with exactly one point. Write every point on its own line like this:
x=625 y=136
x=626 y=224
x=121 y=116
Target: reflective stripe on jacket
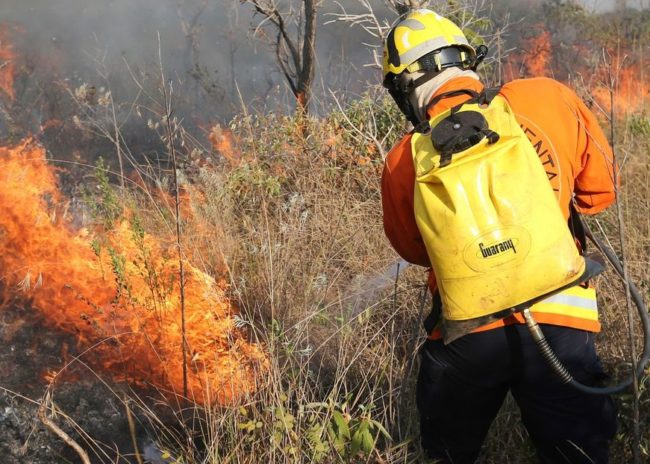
x=574 y=152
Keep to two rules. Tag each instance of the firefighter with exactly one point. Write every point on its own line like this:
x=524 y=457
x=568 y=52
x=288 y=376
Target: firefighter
x=462 y=384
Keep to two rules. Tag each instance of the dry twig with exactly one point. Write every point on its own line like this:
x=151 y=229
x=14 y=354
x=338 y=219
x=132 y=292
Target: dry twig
x=171 y=133
x=129 y=418
x=49 y=423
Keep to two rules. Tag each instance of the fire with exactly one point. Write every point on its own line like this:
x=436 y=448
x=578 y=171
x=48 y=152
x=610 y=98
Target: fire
x=631 y=92
x=120 y=296
x=533 y=58
x=7 y=63
x=223 y=142
x=51 y=124
x=539 y=57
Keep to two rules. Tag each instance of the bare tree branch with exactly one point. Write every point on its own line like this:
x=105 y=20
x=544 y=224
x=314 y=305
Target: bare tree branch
x=295 y=55
x=284 y=67
x=202 y=76
x=469 y=15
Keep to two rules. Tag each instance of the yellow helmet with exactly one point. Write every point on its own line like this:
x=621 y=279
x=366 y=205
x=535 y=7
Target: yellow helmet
x=420 y=33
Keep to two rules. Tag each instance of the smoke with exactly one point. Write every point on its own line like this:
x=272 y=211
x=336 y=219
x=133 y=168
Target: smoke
x=206 y=48
x=609 y=5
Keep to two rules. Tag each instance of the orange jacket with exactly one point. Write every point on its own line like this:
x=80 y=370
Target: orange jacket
x=569 y=142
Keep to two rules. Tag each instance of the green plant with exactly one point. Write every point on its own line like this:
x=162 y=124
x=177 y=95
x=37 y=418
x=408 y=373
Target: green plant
x=322 y=431
x=372 y=118
x=246 y=181
x=104 y=203
x=639 y=125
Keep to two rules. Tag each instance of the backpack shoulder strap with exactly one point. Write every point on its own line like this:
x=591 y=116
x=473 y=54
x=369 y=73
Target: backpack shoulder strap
x=577 y=228
x=453 y=93
x=486 y=97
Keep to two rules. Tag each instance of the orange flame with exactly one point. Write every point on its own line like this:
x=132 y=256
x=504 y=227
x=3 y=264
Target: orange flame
x=223 y=142
x=51 y=124
x=7 y=63
x=631 y=92
x=533 y=59
x=539 y=56
x=121 y=298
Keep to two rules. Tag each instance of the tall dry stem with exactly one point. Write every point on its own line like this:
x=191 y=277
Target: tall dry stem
x=167 y=100
x=611 y=86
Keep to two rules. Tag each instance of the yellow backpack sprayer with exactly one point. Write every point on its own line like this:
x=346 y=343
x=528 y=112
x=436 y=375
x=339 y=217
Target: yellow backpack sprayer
x=494 y=232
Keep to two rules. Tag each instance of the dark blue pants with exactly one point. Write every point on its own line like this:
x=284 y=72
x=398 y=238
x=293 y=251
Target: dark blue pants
x=461 y=387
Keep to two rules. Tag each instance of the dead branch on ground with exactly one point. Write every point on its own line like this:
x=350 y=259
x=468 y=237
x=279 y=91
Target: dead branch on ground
x=48 y=403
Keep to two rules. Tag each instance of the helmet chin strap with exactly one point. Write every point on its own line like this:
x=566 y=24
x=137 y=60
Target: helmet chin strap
x=399 y=87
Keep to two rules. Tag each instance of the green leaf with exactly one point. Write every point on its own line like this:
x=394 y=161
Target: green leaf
x=355 y=445
x=341 y=424
x=367 y=442
x=382 y=429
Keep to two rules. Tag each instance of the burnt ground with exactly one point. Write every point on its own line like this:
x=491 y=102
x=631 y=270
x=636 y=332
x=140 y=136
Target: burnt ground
x=28 y=351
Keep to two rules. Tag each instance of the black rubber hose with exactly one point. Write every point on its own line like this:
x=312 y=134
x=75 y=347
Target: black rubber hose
x=545 y=349
x=552 y=359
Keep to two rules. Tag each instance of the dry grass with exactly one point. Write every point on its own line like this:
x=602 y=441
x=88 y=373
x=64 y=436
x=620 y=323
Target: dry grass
x=293 y=222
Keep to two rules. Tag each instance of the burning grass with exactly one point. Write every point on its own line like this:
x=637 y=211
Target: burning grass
x=118 y=291
x=592 y=64
x=305 y=240
x=293 y=222
x=282 y=235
